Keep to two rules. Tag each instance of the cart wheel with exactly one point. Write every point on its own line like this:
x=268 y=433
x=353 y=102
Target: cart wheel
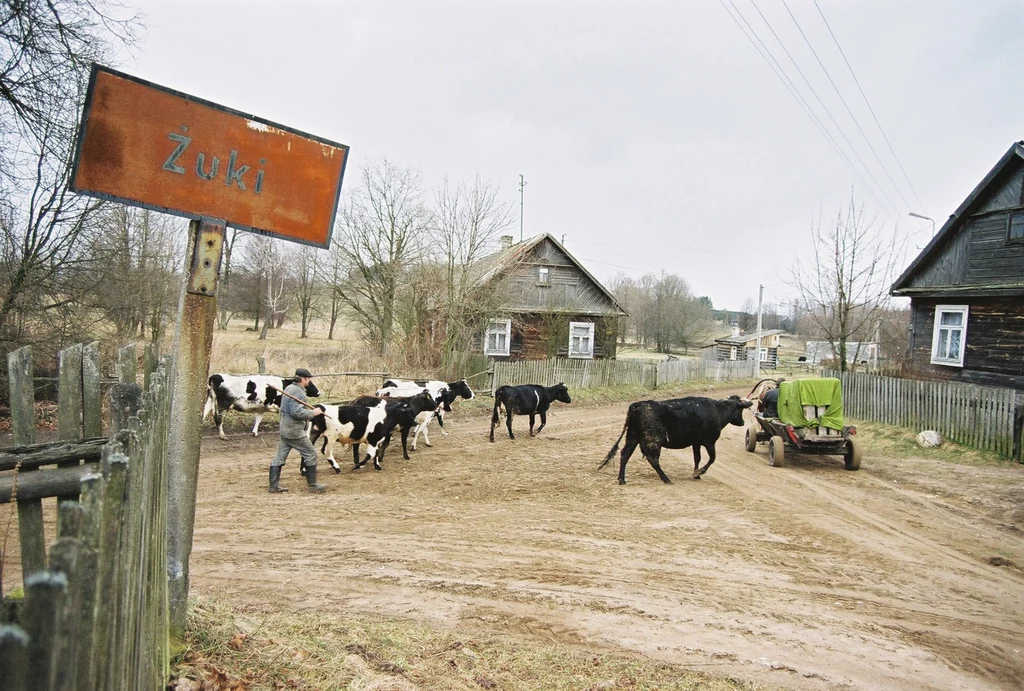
x=776 y=452
x=852 y=454
x=750 y=439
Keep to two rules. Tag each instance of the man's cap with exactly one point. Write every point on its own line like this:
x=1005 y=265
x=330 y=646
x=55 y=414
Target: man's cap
x=302 y=372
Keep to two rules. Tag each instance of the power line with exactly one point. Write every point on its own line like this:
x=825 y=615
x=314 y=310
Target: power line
x=845 y=105
x=868 y=104
x=780 y=72
x=824 y=107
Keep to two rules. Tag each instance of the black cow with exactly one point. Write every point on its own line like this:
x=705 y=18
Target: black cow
x=359 y=424
x=444 y=393
x=527 y=399
x=676 y=424
x=421 y=404
x=247 y=393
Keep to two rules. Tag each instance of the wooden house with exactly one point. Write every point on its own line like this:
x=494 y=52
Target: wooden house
x=741 y=346
x=551 y=307
x=966 y=287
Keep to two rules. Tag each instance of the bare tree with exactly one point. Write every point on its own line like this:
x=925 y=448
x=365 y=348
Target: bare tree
x=332 y=272
x=467 y=223
x=844 y=287
x=264 y=257
x=380 y=232
x=307 y=294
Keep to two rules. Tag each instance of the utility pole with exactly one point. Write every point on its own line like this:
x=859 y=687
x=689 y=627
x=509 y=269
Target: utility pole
x=522 y=184
x=757 y=346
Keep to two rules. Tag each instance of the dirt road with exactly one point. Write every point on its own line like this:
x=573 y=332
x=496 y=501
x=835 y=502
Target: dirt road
x=903 y=575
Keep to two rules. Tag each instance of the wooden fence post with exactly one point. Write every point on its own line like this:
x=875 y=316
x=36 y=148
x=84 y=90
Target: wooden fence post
x=127 y=364
x=23 y=430
x=150 y=361
x=45 y=592
x=13 y=658
x=92 y=399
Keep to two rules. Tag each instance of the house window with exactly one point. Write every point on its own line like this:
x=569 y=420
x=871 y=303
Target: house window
x=498 y=337
x=763 y=355
x=1016 y=229
x=950 y=335
x=542 y=275
x=581 y=339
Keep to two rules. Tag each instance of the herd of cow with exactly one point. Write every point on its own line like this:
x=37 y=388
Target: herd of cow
x=410 y=406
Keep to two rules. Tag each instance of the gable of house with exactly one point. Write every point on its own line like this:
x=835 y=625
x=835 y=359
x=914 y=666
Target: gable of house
x=980 y=249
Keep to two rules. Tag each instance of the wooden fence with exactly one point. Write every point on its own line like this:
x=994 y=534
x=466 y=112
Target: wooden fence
x=981 y=417
x=94 y=613
x=584 y=374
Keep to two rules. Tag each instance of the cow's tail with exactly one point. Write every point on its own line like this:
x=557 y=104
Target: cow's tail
x=211 y=403
x=497 y=411
x=615 y=448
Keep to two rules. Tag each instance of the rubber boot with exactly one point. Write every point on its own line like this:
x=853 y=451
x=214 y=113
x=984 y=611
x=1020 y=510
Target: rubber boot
x=275 y=480
x=313 y=485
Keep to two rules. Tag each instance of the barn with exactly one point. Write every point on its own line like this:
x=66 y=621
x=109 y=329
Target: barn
x=966 y=287
x=553 y=306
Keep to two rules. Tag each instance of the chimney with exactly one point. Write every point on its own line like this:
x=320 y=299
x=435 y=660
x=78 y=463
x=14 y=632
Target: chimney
x=506 y=241
x=735 y=331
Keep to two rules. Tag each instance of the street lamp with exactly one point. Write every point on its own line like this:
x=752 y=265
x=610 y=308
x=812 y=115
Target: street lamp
x=925 y=218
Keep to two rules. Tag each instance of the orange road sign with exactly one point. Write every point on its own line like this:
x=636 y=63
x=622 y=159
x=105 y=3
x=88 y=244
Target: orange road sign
x=146 y=145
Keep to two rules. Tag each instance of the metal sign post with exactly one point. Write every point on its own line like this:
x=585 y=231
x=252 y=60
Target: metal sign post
x=193 y=339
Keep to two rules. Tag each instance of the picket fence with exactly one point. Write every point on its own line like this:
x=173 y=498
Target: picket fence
x=980 y=417
x=94 y=613
x=585 y=374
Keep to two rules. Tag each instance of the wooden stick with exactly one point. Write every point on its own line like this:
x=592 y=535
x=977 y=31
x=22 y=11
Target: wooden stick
x=298 y=400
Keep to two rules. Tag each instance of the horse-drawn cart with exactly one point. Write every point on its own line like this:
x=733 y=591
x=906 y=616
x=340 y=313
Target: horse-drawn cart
x=801 y=416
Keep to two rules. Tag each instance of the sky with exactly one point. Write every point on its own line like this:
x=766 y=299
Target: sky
x=652 y=136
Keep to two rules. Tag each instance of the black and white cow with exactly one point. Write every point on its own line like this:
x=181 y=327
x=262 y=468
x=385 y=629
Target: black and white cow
x=445 y=393
x=359 y=424
x=527 y=399
x=676 y=424
x=247 y=393
x=420 y=404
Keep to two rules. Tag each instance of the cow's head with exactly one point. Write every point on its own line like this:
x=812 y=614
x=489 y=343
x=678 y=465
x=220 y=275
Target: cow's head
x=560 y=392
x=311 y=390
x=738 y=406
x=460 y=388
x=318 y=425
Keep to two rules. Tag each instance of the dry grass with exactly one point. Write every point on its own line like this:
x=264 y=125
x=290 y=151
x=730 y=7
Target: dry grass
x=231 y=649
x=900 y=442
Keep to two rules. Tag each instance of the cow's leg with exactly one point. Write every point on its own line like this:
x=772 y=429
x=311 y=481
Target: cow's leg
x=426 y=432
x=652 y=452
x=627 y=451
x=508 y=423
x=543 y=421
x=405 y=438
x=494 y=419
x=533 y=416
x=256 y=426
x=440 y=423
x=356 y=463
x=696 y=460
x=218 y=419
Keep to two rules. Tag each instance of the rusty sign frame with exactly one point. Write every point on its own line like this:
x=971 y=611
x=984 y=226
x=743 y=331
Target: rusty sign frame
x=80 y=141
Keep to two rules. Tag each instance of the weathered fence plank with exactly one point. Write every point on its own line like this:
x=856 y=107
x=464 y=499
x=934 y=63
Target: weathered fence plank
x=23 y=431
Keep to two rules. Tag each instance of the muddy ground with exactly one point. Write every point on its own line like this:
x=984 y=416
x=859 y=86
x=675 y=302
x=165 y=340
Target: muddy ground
x=903 y=575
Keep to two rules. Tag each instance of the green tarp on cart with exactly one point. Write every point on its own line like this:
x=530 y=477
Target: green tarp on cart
x=795 y=394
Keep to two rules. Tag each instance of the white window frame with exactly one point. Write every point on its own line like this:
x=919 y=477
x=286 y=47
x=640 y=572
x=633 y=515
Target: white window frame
x=587 y=354
x=938 y=340
x=543 y=275
x=498 y=327
x=763 y=355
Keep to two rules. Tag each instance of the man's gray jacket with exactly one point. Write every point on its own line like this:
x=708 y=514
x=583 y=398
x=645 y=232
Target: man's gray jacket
x=293 y=414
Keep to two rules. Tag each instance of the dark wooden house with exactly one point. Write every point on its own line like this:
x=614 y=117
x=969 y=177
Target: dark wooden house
x=966 y=288
x=552 y=306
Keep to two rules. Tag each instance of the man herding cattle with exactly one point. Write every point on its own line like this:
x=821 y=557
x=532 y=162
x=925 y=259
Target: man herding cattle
x=295 y=412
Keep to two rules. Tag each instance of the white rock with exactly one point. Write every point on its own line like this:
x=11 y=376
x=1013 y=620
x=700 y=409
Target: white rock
x=929 y=439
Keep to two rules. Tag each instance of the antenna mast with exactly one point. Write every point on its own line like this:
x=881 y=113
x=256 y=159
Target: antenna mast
x=522 y=184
